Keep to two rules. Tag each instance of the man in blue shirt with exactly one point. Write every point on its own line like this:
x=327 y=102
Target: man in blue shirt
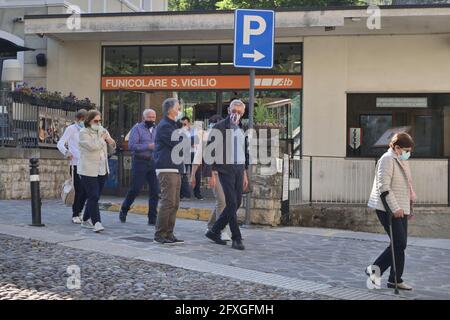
x=142 y=143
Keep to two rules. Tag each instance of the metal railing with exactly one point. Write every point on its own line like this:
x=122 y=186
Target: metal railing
x=29 y=126
x=332 y=180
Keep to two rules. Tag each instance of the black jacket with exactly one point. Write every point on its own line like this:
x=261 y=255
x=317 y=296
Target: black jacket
x=222 y=126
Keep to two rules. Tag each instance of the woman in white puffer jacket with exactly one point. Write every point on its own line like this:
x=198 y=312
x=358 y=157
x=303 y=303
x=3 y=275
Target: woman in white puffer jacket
x=393 y=175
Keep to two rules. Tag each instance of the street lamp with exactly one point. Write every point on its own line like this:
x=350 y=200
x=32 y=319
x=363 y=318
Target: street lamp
x=12 y=72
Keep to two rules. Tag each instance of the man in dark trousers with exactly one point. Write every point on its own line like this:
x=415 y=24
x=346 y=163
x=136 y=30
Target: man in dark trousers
x=142 y=143
x=231 y=168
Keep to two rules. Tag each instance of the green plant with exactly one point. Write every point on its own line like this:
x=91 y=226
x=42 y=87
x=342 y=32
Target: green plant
x=263 y=116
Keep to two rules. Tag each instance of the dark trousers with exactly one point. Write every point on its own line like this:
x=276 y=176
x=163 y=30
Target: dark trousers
x=400 y=235
x=231 y=183
x=198 y=177
x=93 y=187
x=185 y=189
x=80 y=195
x=143 y=171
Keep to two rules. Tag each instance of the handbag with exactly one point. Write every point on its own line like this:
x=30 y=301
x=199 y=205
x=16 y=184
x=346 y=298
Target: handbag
x=68 y=190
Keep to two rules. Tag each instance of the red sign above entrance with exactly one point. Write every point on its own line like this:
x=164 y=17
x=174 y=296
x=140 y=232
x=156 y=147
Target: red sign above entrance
x=201 y=82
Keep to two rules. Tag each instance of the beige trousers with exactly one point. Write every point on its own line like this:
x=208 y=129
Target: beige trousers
x=170 y=183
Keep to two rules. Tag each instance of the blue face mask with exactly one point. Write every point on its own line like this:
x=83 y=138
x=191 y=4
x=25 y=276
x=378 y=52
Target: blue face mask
x=405 y=155
x=81 y=124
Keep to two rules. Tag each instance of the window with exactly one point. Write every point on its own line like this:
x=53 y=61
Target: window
x=160 y=59
x=424 y=116
x=226 y=61
x=121 y=60
x=200 y=59
x=283 y=106
x=287 y=59
x=194 y=59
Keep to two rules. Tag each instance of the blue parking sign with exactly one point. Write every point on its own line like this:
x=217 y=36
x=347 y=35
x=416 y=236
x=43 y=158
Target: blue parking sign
x=254 y=32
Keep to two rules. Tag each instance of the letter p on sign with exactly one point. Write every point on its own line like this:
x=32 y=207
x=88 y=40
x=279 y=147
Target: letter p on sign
x=248 y=31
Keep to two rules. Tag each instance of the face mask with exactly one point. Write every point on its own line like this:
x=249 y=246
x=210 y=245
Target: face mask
x=149 y=124
x=96 y=127
x=81 y=124
x=405 y=155
x=211 y=125
x=179 y=116
x=235 y=117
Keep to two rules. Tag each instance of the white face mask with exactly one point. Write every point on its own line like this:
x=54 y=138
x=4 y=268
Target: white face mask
x=235 y=117
x=405 y=155
x=96 y=127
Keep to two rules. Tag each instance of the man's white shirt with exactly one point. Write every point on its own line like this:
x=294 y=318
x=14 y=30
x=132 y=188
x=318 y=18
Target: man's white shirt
x=71 y=138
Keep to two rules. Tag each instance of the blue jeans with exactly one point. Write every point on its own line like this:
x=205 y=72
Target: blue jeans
x=143 y=171
x=232 y=185
x=93 y=187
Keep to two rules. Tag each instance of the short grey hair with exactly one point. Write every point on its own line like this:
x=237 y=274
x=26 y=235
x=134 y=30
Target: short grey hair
x=168 y=105
x=147 y=111
x=236 y=102
x=81 y=114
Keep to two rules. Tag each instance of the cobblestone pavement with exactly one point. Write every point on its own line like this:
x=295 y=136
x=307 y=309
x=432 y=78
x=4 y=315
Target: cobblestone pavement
x=32 y=269
x=289 y=252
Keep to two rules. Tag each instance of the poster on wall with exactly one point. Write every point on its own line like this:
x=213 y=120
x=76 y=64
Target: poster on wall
x=50 y=129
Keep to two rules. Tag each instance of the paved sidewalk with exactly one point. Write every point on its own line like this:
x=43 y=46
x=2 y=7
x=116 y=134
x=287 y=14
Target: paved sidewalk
x=325 y=262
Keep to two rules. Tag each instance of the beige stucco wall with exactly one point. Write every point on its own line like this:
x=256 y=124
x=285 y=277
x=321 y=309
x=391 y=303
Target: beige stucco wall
x=336 y=65
x=75 y=67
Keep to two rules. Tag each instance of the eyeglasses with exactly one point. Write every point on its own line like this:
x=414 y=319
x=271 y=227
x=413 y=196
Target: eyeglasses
x=97 y=121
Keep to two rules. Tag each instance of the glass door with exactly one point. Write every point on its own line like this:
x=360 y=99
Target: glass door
x=121 y=111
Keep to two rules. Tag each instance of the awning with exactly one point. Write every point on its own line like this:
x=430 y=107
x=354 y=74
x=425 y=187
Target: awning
x=8 y=46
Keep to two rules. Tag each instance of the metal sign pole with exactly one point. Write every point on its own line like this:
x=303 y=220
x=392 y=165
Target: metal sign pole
x=250 y=126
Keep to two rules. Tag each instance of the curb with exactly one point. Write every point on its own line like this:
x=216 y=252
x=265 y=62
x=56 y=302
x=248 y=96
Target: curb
x=201 y=214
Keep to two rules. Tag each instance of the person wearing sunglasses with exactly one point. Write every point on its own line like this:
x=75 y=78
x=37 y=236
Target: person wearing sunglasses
x=393 y=177
x=95 y=145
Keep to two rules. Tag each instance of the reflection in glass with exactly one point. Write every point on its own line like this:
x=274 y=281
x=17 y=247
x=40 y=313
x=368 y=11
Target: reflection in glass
x=373 y=127
x=199 y=59
x=121 y=60
x=159 y=59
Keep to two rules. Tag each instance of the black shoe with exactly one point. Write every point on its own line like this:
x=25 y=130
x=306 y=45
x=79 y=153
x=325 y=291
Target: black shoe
x=122 y=216
x=237 y=244
x=215 y=237
x=151 y=221
x=175 y=240
x=163 y=240
x=199 y=197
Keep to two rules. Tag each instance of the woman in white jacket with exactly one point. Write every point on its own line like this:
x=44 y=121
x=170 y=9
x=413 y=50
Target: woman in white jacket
x=394 y=176
x=94 y=143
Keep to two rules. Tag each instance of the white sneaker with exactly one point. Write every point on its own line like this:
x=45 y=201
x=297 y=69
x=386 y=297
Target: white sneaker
x=98 y=227
x=76 y=220
x=374 y=277
x=225 y=236
x=87 y=224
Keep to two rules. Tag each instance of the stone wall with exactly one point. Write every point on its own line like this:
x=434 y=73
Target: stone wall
x=265 y=205
x=431 y=222
x=15 y=174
